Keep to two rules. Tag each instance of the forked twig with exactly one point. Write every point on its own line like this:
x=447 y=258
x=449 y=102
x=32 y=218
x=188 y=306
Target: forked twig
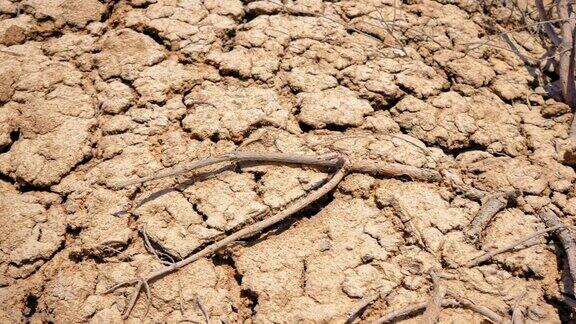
x=121 y=284
x=249 y=230
x=489 y=255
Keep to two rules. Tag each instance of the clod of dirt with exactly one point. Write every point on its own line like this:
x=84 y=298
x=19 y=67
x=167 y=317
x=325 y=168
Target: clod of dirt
x=229 y=112
x=75 y=13
x=35 y=224
x=454 y=122
x=337 y=107
x=228 y=201
x=115 y=59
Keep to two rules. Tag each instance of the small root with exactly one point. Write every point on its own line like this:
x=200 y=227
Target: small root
x=517 y=313
x=133 y=300
x=148 y=296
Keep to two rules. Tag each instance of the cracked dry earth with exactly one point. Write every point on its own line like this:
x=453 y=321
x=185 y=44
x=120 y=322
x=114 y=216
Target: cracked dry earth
x=96 y=92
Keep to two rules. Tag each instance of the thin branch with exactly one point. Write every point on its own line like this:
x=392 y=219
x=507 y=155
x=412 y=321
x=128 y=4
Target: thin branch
x=566 y=61
x=365 y=302
x=121 y=284
x=148 y=296
x=501 y=34
x=483 y=310
x=395 y=170
x=327 y=160
x=517 y=314
x=548 y=29
x=203 y=310
x=133 y=300
x=432 y=312
x=488 y=255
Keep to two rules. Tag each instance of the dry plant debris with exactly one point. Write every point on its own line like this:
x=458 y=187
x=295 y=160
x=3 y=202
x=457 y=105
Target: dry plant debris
x=287 y=161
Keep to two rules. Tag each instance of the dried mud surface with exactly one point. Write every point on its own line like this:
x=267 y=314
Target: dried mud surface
x=95 y=92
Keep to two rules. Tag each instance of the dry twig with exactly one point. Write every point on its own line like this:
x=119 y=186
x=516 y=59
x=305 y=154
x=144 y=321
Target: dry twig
x=251 y=229
x=410 y=310
x=566 y=45
x=488 y=255
x=482 y=310
x=517 y=314
x=203 y=310
x=566 y=61
x=365 y=302
x=353 y=314
x=432 y=312
x=489 y=209
x=328 y=160
x=550 y=219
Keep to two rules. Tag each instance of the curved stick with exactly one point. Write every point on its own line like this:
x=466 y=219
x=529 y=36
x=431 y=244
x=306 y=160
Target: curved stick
x=331 y=160
x=247 y=231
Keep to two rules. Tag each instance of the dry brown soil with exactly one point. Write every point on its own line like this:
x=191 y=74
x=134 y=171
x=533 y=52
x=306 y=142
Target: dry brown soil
x=95 y=92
